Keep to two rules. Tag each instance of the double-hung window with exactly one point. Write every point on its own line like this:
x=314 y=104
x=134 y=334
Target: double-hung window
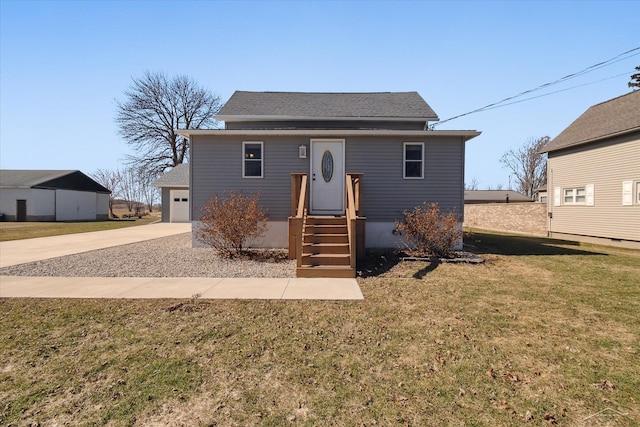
x=575 y=196
x=413 y=159
x=252 y=161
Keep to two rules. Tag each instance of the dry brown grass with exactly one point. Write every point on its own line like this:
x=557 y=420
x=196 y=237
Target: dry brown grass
x=542 y=333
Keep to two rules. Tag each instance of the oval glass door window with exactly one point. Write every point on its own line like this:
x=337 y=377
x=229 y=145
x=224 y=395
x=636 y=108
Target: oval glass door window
x=327 y=166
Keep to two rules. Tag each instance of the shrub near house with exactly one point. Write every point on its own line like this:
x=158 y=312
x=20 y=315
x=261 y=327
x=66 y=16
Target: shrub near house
x=227 y=223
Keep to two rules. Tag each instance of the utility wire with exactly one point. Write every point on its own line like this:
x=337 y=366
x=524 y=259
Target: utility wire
x=593 y=67
x=559 y=90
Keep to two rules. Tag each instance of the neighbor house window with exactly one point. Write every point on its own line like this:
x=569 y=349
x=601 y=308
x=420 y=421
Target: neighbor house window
x=413 y=160
x=638 y=192
x=252 y=162
x=575 y=196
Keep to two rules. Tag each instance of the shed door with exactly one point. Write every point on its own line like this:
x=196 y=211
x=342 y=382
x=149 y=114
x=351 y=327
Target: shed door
x=179 y=206
x=327 y=176
x=21 y=210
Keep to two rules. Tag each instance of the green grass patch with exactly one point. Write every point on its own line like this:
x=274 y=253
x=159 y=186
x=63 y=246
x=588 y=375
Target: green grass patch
x=544 y=332
x=28 y=230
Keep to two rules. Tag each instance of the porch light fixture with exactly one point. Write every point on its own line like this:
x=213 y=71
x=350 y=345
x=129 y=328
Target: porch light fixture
x=302 y=152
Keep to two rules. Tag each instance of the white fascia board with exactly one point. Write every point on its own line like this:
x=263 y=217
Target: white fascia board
x=228 y=118
x=466 y=134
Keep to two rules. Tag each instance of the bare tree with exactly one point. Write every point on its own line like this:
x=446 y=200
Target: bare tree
x=130 y=186
x=155 y=107
x=527 y=165
x=148 y=193
x=111 y=180
x=473 y=185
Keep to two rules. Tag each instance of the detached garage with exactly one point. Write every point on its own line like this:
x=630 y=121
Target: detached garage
x=174 y=186
x=52 y=195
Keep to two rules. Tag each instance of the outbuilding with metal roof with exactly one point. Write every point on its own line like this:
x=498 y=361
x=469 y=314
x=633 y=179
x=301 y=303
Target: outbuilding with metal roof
x=51 y=195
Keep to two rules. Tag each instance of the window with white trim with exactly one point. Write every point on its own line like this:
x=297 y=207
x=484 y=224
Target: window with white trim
x=413 y=160
x=575 y=196
x=638 y=192
x=252 y=159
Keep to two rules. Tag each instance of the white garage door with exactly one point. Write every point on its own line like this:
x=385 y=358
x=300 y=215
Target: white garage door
x=179 y=207
x=75 y=205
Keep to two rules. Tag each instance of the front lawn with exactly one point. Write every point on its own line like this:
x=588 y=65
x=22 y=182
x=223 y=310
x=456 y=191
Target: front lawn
x=543 y=333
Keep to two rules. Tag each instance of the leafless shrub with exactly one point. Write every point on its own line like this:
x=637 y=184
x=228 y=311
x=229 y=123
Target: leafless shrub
x=228 y=222
x=429 y=231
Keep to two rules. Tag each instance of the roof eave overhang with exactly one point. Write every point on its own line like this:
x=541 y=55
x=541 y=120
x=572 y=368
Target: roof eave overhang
x=170 y=185
x=589 y=140
x=252 y=118
x=465 y=134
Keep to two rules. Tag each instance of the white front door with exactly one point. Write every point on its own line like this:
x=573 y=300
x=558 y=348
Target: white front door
x=327 y=176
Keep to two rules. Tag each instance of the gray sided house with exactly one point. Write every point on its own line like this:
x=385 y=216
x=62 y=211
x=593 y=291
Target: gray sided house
x=52 y=195
x=328 y=165
x=174 y=188
x=594 y=175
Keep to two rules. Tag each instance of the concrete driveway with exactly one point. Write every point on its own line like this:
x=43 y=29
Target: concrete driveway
x=16 y=252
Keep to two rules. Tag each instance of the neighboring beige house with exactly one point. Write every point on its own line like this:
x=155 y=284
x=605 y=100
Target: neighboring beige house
x=594 y=175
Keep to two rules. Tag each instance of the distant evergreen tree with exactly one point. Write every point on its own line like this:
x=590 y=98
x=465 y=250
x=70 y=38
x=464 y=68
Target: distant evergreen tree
x=635 y=80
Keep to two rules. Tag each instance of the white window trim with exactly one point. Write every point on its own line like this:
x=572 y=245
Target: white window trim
x=261 y=143
x=404 y=160
x=574 y=196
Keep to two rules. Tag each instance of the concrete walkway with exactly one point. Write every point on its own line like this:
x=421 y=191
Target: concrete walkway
x=29 y=250
x=182 y=287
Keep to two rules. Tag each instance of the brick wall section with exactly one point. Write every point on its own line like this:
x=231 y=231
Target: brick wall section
x=527 y=218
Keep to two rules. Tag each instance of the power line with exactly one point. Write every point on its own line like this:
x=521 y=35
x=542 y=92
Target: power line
x=593 y=67
x=560 y=90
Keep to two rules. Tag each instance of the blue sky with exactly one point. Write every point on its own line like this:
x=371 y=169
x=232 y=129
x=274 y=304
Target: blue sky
x=62 y=64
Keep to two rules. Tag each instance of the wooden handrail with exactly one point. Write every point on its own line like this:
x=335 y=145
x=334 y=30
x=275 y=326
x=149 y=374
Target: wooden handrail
x=298 y=191
x=302 y=202
x=356 y=179
x=351 y=220
x=299 y=201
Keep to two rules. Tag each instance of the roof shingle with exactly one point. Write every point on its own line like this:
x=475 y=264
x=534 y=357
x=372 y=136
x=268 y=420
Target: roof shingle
x=377 y=105
x=610 y=118
x=176 y=177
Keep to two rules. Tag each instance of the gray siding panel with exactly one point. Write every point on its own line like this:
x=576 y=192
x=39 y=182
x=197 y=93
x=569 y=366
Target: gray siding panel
x=386 y=195
x=217 y=168
x=605 y=165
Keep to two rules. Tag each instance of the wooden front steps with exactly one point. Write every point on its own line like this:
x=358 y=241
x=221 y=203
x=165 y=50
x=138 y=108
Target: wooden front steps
x=325 y=248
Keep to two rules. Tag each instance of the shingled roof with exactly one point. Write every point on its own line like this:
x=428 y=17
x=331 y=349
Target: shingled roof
x=176 y=177
x=318 y=105
x=611 y=118
x=50 y=179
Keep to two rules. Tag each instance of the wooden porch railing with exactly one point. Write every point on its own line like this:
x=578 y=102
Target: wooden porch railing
x=299 y=205
x=355 y=220
x=351 y=220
